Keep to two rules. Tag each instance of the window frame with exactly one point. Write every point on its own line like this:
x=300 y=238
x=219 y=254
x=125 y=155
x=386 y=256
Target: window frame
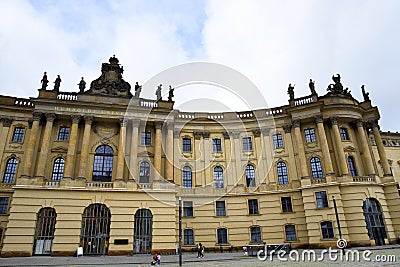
x=218 y=210
x=282 y=172
x=218 y=177
x=143 y=166
x=277 y=140
x=216 y=147
x=309 y=134
x=59 y=172
x=188 y=210
x=321 y=199
x=252 y=206
x=63 y=135
x=185 y=236
x=18 y=137
x=292 y=232
x=344 y=134
x=250 y=173
x=10 y=171
x=286 y=205
x=145 y=138
x=351 y=164
x=225 y=235
x=326 y=230
x=186 y=147
x=316 y=168
x=187 y=177
x=247 y=143
x=255 y=234
x=4 y=205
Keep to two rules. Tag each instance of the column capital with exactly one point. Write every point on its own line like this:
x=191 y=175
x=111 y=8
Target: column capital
x=75 y=119
x=6 y=122
x=226 y=135
x=256 y=132
x=319 y=119
x=296 y=123
x=265 y=131
x=373 y=123
x=287 y=128
x=158 y=124
x=177 y=133
x=334 y=120
x=123 y=122
x=360 y=123
x=206 y=135
x=134 y=122
x=50 y=117
x=37 y=115
x=235 y=134
x=197 y=135
x=88 y=119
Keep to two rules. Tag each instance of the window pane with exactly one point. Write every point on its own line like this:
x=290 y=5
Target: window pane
x=290 y=231
x=103 y=163
x=310 y=135
x=255 y=234
x=3 y=205
x=316 y=168
x=63 y=134
x=188 y=237
x=218 y=177
x=222 y=236
x=344 y=134
x=187 y=177
x=327 y=230
x=220 y=208
x=187 y=209
x=253 y=206
x=321 y=198
x=144 y=172
x=247 y=144
x=18 y=135
x=286 y=204
x=58 y=169
x=250 y=176
x=278 y=140
x=217 y=147
x=282 y=173
x=146 y=139
x=9 y=173
x=352 y=166
x=187 y=145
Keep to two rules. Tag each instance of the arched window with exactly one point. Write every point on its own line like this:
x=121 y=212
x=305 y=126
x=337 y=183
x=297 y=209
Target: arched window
x=58 y=169
x=218 y=177
x=103 y=164
x=144 y=172
x=187 y=177
x=44 y=234
x=250 y=176
x=143 y=231
x=374 y=221
x=11 y=169
x=282 y=173
x=316 y=167
x=352 y=166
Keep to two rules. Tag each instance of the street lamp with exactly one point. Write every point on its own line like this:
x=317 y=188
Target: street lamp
x=337 y=219
x=180 y=231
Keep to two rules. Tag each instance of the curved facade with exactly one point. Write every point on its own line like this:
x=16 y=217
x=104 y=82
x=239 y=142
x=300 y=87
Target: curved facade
x=104 y=170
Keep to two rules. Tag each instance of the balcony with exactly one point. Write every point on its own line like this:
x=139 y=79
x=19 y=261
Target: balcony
x=364 y=179
x=318 y=180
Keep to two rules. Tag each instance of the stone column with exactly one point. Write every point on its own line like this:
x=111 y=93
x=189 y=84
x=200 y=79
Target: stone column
x=208 y=179
x=83 y=168
x=381 y=149
x=121 y=150
x=292 y=171
x=230 y=158
x=4 y=128
x=300 y=149
x=343 y=168
x=366 y=154
x=31 y=144
x=70 y=160
x=133 y=166
x=324 y=145
x=157 y=148
x=199 y=159
x=177 y=157
x=267 y=152
x=169 y=165
x=44 y=151
x=236 y=160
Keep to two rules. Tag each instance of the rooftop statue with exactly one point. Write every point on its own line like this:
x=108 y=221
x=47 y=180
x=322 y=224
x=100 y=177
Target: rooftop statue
x=110 y=82
x=57 y=84
x=365 y=94
x=311 y=84
x=82 y=85
x=291 y=92
x=158 y=92
x=44 y=81
x=138 y=89
x=337 y=87
x=170 y=93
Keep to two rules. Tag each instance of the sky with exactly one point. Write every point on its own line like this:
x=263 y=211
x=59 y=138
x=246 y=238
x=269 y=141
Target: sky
x=273 y=43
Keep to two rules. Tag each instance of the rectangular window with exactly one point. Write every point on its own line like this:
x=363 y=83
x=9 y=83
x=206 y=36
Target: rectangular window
x=216 y=143
x=186 y=145
x=146 y=139
x=188 y=237
x=4 y=205
x=253 y=206
x=327 y=230
x=344 y=134
x=63 y=134
x=278 y=140
x=286 y=204
x=247 y=144
x=290 y=231
x=322 y=200
x=310 y=135
x=18 y=135
x=222 y=236
x=255 y=233
x=187 y=209
x=220 y=209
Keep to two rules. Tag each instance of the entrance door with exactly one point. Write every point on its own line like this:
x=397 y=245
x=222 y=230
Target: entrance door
x=44 y=234
x=95 y=231
x=143 y=231
x=374 y=220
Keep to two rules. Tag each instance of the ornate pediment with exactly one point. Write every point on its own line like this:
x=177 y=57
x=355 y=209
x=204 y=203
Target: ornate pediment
x=110 y=82
x=349 y=149
x=59 y=149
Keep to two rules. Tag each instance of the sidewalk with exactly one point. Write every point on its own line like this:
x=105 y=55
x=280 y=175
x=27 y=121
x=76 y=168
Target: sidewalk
x=144 y=260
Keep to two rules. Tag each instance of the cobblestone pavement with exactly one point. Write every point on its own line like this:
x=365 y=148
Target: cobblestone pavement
x=391 y=254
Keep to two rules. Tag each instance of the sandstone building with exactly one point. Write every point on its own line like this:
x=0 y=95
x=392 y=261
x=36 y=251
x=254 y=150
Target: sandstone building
x=104 y=168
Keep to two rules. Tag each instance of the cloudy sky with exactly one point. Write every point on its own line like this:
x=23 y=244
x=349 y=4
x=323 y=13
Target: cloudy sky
x=273 y=43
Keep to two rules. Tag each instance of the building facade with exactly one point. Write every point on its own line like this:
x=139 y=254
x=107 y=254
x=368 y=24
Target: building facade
x=103 y=169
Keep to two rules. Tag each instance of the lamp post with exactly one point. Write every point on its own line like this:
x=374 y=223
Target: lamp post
x=180 y=231
x=337 y=219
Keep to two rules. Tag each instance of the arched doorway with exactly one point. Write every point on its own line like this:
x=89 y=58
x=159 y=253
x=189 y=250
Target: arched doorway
x=374 y=220
x=44 y=233
x=143 y=231
x=95 y=231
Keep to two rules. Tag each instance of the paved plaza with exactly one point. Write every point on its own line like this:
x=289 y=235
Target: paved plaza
x=391 y=253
